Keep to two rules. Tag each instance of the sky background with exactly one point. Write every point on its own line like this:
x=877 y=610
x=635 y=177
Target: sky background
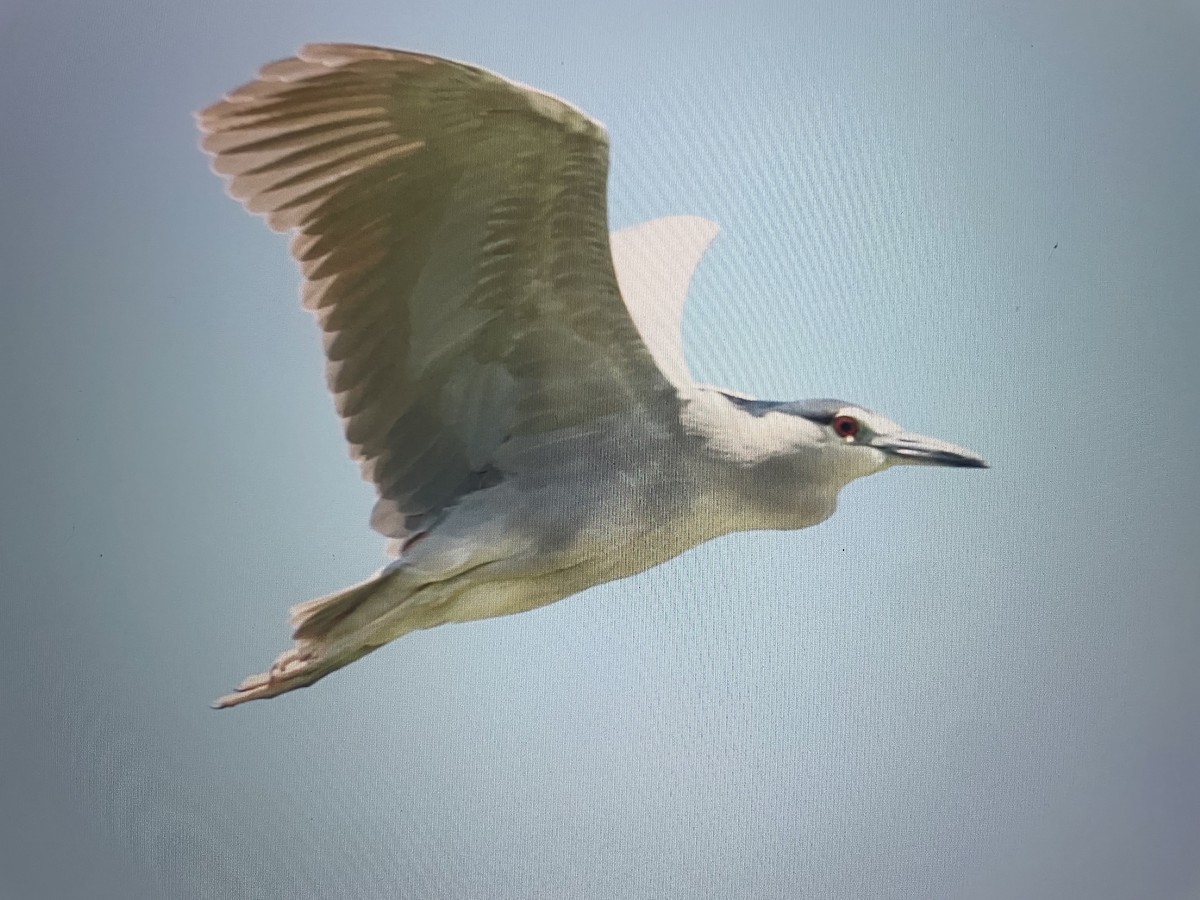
x=980 y=219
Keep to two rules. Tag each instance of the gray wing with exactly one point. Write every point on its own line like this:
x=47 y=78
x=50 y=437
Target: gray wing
x=452 y=231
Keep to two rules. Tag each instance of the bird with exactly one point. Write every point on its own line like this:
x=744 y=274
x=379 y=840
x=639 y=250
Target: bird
x=509 y=375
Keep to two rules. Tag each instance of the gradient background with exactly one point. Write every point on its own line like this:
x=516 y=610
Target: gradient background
x=981 y=219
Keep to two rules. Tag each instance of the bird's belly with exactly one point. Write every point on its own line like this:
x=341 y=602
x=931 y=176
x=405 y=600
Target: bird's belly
x=607 y=549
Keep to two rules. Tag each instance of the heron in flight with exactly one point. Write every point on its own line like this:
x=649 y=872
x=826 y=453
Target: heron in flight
x=509 y=375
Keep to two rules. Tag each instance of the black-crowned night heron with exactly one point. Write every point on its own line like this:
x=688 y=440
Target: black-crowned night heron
x=509 y=375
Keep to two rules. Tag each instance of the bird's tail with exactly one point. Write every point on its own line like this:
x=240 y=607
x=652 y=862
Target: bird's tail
x=333 y=631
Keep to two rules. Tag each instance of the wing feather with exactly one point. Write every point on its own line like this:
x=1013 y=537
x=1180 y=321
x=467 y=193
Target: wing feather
x=451 y=228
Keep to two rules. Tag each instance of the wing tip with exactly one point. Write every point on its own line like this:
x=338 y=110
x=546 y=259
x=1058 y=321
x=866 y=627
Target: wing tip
x=706 y=228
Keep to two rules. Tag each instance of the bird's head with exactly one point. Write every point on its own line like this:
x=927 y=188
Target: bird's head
x=858 y=441
x=851 y=441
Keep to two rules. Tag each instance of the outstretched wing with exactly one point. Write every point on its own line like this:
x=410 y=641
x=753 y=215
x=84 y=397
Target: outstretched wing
x=452 y=230
x=655 y=262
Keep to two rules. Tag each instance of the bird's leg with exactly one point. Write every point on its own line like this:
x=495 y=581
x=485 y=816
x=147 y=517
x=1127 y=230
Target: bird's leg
x=289 y=659
x=330 y=632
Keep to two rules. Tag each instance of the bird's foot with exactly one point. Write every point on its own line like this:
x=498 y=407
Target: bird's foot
x=293 y=668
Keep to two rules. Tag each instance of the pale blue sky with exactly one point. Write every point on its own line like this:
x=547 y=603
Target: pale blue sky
x=981 y=219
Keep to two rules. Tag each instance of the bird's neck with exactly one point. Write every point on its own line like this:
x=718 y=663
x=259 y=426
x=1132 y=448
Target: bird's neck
x=778 y=493
x=764 y=471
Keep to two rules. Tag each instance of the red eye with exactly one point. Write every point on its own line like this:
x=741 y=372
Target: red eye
x=846 y=426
